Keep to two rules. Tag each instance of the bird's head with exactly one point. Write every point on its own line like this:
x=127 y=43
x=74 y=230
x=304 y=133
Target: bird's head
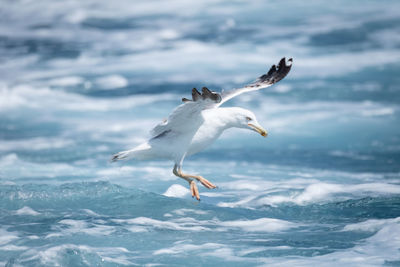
x=247 y=120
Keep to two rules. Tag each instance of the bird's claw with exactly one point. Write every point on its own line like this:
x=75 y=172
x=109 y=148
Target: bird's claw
x=207 y=183
x=194 y=190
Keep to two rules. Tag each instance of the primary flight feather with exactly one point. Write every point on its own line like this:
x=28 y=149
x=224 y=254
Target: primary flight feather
x=198 y=122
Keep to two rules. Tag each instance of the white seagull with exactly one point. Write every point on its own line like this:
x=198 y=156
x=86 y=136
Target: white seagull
x=197 y=123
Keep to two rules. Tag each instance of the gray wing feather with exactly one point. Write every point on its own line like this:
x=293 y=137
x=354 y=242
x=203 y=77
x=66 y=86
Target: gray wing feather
x=188 y=111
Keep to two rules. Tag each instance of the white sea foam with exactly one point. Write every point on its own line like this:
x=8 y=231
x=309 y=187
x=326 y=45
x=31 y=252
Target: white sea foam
x=145 y=172
x=242 y=202
x=183 y=212
x=28 y=96
x=6 y=237
x=371 y=225
x=184 y=248
x=223 y=251
x=143 y=224
x=171 y=225
x=27 y=211
x=37 y=143
x=293 y=185
x=177 y=190
x=13 y=248
x=373 y=251
x=111 y=82
x=30 y=169
x=259 y=225
x=247 y=251
x=294 y=117
x=90 y=212
x=53 y=256
x=381 y=247
x=137 y=229
x=66 y=81
x=303 y=192
x=83 y=227
x=70 y=227
x=323 y=191
x=183 y=50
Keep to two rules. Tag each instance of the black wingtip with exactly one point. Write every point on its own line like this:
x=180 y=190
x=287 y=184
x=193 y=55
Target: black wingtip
x=195 y=94
x=271 y=70
x=282 y=62
x=275 y=73
x=114 y=158
x=205 y=90
x=205 y=94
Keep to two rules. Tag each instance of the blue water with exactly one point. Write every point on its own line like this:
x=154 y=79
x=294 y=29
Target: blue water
x=81 y=80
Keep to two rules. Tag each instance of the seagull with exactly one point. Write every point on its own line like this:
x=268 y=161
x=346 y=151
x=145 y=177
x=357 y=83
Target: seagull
x=198 y=122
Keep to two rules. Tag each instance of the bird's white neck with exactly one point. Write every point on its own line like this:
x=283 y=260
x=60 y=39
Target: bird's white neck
x=222 y=118
x=216 y=121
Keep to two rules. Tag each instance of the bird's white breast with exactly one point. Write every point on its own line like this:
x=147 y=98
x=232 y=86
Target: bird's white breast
x=208 y=132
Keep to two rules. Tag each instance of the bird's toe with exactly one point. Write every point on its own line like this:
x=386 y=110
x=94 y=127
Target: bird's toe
x=207 y=183
x=194 y=190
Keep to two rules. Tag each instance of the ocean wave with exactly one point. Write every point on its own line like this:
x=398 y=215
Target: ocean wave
x=83 y=80
x=76 y=255
x=6 y=237
x=32 y=97
x=372 y=225
x=379 y=249
x=303 y=187
x=27 y=211
x=191 y=224
x=110 y=44
x=76 y=216
x=299 y=186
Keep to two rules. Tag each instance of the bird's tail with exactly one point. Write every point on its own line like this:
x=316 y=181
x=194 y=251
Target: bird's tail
x=120 y=156
x=140 y=152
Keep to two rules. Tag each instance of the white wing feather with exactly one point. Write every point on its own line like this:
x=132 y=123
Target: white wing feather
x=274 y=75
x=184 y=117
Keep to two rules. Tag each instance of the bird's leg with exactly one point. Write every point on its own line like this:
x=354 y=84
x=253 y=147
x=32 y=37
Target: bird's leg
x=202 y=180
x=188 y=177
x=193 y=187
x=199 y=178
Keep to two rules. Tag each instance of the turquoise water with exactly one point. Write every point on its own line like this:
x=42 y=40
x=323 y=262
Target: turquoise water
x=80 y=81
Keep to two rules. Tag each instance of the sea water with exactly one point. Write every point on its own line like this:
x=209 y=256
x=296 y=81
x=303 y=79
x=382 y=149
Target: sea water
x=81 y=80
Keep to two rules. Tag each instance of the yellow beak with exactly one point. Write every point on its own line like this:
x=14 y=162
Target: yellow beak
x=258 y=129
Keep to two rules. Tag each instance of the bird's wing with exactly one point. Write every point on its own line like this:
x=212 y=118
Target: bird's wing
x=187 y=116
x=274 y=75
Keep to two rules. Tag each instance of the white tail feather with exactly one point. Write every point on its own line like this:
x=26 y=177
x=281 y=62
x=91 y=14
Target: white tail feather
x=140 y=152
x=120 y=156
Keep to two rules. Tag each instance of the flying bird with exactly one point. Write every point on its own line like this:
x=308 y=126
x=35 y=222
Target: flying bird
x=198 y=122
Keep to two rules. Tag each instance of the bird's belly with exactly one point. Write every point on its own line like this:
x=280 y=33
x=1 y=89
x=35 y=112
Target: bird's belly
x=202 y=139
x=171 y=145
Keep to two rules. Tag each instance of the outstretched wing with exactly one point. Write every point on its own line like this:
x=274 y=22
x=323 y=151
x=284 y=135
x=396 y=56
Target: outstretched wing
x=187 y=116
x=274 y=75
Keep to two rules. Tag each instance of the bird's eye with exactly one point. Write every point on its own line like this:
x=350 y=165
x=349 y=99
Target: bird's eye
x=248 y=119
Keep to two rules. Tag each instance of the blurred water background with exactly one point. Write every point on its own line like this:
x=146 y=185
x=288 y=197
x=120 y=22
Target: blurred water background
x=81 y=80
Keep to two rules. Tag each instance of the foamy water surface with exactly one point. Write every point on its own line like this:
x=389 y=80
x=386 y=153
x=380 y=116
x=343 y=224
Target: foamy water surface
x=80 y=81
